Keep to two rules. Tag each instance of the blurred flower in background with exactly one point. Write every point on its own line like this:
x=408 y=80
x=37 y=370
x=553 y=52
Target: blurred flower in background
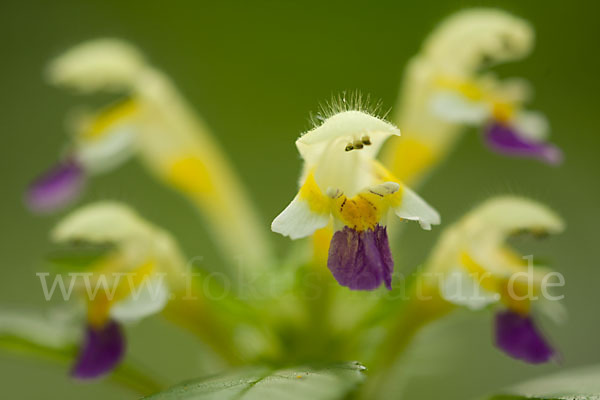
x=129 y=280
x=153 y=122
x=447 y=86
x=474 y=267
x=270 y=329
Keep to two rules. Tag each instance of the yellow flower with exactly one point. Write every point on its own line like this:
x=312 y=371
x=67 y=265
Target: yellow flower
x=343 y=183
x=156 y=124
x=473 y=266
x=452 y=56
x=132 y=280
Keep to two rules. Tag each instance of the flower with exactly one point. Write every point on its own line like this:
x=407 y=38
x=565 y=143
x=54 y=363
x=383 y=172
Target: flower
x=129 y=281
x=341 y=181
x=57 y=187
x=101 y=140
x=472 y=266
x=443 y=89
x=498 y=107
x=152 y=121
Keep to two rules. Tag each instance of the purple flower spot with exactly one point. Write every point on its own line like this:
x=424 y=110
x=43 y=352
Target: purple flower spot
x=506 y=140
x=361 y=260
x=518 y=337
x=56 y=188
x=102 y=350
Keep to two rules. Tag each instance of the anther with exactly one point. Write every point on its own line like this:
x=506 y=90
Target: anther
x=366 y=140
x=349 y=147
x=333 y=193
x=358 y=144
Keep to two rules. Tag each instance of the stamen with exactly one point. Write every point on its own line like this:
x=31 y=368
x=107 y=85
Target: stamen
x=333 y=192
x=366 y=140
x=358 y=144
x=349 y=147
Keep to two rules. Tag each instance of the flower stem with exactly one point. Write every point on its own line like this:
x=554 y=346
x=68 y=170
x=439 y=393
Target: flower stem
x=419 y=310
x=133 y=378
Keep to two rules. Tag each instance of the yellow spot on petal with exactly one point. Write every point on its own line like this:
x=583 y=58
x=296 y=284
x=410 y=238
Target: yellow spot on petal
x=384 y=175
x=321 y=240
x=516 y=301
x=411 y=158
x=109 y=117
x=520 y=304
x=479 y=274
x=98 y=307
x=470 y=90
x=363 y=211
x=189 y=174
x=503 y=111
x=311 y=193
x=467 y=88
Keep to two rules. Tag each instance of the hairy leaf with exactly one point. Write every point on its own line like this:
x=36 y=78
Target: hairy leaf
x=578 y=384
x=263 y=383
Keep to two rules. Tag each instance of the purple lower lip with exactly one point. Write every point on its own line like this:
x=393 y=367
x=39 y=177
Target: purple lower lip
x=518 y=337
x=101 y=352
x=506 y=140
x=361 y=260
x=56 y=188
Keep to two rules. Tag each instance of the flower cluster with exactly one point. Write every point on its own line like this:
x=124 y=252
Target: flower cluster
x=153 y=122
x=349 y=200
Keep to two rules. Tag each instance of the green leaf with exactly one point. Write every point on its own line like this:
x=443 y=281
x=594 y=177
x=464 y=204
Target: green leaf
x=578 y=384
x=263 y=383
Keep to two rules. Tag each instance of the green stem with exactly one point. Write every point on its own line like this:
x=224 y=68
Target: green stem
x=217 y=320
x=130 y=377
x=126 y=375
x=420 y=310
x=318 y=304
x=198 y=316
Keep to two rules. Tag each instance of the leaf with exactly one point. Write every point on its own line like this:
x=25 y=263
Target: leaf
x=263 y=383
x=578 y=384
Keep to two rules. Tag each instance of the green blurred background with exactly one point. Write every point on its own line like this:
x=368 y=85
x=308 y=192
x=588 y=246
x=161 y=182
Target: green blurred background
x=255 y=70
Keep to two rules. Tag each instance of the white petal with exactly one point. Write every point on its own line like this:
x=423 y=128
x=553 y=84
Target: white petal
x=460 y=288
x=453 y=107
x=532 y=125
x=553 y=309
x=108 y=151
x=101 y=222
x=414 y=208
x=150 y=298
x=504 y=215
x=344 y=170
x=343 y=127
x=298 y=221
x=53 y=330
x=459 y=44
x=97 y=65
